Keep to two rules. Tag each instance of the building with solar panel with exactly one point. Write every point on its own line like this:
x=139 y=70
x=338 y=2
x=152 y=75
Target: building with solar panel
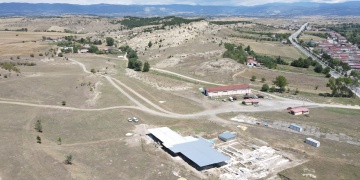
x=198 y=152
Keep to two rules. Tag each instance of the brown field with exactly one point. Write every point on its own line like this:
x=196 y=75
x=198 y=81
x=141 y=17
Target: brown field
x=96 y=140
x=303 y=82
x=307 y=37
x=96 y=137
x=25 y=43
x=271 y=48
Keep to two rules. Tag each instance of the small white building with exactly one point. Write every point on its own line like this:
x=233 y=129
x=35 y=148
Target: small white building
x=227 y=90
x=312 y=142
x=296 y=127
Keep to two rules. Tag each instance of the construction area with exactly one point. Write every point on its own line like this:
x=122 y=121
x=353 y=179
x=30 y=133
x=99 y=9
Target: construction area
x=225 y=157
x=249 y=161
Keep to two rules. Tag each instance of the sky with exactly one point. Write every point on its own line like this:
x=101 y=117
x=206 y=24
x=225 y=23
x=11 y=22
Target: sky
x=162 y=2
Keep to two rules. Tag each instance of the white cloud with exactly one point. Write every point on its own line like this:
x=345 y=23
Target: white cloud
x=162 y=2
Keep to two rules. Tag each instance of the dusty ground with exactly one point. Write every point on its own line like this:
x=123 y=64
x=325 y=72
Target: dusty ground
x=93 y=123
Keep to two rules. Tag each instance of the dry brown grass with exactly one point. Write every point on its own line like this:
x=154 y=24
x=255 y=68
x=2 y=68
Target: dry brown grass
x=271 y=48
x=307 y=37
x=301 y=81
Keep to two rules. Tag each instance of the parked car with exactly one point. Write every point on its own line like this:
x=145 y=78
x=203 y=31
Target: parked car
x=260 y=96
x=234 y=98
x=247 y=96
x=135 y=119
x=130 y=119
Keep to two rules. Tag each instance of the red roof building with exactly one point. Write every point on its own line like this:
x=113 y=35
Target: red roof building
x=227 y=90
x=299 y=110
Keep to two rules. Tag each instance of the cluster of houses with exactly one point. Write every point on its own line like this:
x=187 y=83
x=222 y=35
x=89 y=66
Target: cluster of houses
x=338 y=47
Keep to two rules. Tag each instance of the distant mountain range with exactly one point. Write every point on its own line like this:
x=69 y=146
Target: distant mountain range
x=273 y=9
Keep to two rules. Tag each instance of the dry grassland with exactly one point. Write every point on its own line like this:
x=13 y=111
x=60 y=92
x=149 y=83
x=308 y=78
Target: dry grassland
x=270 y=48
x=26 y=43
x=79 y=24
x=96 y=140
x=328 y=119
x=303 y=82
x=307 y=37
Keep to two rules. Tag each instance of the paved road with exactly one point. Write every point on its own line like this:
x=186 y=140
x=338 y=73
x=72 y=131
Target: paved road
x=333 y=73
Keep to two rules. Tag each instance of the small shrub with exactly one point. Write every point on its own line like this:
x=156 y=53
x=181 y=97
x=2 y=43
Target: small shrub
x=38 y=139
x=253 y=78
x=38 y=126
x=68 y=159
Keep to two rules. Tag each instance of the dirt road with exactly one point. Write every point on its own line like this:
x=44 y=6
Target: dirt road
x=266 y=105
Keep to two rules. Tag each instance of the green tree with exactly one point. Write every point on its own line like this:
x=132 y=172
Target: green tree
x=109 y=41
x=138 y=65
x=265 y=87
x=281 y=82
x=31 y=55
x=59 y=140
x=38 y=126
x=63 y=103
x=318 y=68
x=326 y=70
x=68 y=159
x=131 y=63
x=339 y=87
x=253 y=78
x=150 y=44
x=93 y=70
x=146 y=67
x=38 y=139
x=247 y=49
x=272 y=89
x=263 y=79
x=316 y=51
x=93 y=49
x=60 y=55
x=355 y=74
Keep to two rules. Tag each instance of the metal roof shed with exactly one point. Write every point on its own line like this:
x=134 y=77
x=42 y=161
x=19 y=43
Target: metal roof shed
x=198 y=150
x=226 y=136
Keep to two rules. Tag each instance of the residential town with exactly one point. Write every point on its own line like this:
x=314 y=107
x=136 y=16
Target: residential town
x=338 y=47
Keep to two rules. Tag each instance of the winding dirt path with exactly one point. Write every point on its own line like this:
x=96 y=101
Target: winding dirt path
x=164 y=113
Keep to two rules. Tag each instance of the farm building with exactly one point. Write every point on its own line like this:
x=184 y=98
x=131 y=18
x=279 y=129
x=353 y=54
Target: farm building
x=252 y=62
x=227 y=90
x=312 y=142
x=226 y=136
x=295 y=127
x=250 y=101
x=299 y=110
x=198 y=152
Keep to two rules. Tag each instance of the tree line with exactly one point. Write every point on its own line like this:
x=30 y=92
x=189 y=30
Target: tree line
x=133 y=22
x=229 y=22
x=134 y=62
